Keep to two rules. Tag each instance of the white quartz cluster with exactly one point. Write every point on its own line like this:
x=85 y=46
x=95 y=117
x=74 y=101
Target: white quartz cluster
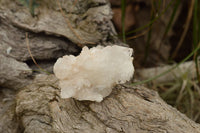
x=92 y=74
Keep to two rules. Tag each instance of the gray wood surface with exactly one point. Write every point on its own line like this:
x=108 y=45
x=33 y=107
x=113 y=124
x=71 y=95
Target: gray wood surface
x=30 y=102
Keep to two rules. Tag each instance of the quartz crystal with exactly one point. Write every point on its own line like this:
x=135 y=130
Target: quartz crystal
x=93 y=74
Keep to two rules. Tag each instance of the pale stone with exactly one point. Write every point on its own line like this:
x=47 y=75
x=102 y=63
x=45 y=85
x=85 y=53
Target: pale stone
x=92 y=74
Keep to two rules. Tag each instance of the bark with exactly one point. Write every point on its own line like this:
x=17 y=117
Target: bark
x=13 y=73
x=30 y=102
x=128 y=109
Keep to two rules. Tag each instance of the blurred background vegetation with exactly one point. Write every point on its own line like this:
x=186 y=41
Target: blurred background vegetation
x=164 y=32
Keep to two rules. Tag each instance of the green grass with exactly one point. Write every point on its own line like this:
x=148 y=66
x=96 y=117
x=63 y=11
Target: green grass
x=169 y=70
x=152 y=21
x=123 y=8
x=153 y=16
x=168 y=27
x=184 y=92
x=31 y=4
x=196 y=34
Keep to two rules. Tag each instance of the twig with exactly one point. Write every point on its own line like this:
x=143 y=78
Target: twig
x=139 y=35
x=29 y=51
x=187 y=24
x=75 y=2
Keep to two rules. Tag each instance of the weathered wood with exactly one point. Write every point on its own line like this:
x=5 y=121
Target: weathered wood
x=90 y=20
x=187 y=68
x=128 y=109
x=50 y=34
x=42 y=46
x=13 y=73
x=37 y=107
x=8 y=119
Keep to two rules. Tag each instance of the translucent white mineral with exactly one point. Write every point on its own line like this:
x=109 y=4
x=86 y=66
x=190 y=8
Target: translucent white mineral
x=92 y=74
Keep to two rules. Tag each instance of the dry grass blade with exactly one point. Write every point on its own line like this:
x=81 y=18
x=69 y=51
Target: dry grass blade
x=184 y=84
x=164 y=3
x=186 y=27
x=75 y=2
x=196 y=86
x=139 y=35
x=196 y=116
x=29 y=51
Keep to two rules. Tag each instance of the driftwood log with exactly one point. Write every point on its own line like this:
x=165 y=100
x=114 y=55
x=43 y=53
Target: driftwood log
x=188 y=68
x=38 y=108
x=30 y=102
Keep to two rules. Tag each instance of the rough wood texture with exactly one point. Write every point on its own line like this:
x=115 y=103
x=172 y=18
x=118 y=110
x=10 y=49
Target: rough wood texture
x=50 y=35
x=13 y=73
x=90 y=20
x=8 y=119
x=128 y=109
x=36 y=105
x=42 y=46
